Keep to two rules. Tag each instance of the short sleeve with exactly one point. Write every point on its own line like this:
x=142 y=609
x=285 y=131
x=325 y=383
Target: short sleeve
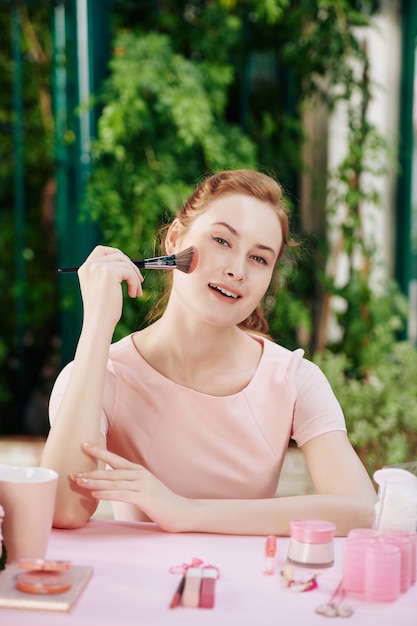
x=317 y=410
x=57 y=395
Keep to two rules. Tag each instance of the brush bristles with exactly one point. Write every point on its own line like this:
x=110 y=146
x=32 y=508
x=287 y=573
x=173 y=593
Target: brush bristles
x=186 y=261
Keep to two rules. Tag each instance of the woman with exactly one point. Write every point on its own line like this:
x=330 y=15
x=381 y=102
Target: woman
x=193 y=414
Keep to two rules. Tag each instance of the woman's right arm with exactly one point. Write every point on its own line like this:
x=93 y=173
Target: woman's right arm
x=78 y=417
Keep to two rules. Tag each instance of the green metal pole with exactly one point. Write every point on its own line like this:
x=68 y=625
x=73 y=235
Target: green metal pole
x=82 y=39
x=93 y=48
x=86 y=231
x=65 y=137
x=403 y=257
x=19 y=208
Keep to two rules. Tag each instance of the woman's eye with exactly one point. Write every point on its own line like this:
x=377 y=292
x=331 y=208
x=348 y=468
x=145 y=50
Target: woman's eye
x=259 y=259
x=221 y=241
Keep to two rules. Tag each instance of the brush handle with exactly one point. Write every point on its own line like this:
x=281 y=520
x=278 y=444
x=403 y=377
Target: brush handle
x=156 y=263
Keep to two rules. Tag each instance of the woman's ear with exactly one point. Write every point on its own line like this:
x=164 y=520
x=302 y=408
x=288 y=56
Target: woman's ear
x=172 y=239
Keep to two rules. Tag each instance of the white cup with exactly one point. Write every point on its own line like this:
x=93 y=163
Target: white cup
x=27 y=495
x=396 y=507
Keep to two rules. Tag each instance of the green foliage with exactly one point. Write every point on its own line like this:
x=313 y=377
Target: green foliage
x=5 y=395
x=380 y=405
x=366 y=159
x=212 y=70
x=200 y=86
x=289 y=315
x=326 y=46
x=162 y=128
x=380 y=411
x=29 y=303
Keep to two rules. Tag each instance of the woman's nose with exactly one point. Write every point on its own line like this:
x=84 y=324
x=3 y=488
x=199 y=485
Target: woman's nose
x=236 y=271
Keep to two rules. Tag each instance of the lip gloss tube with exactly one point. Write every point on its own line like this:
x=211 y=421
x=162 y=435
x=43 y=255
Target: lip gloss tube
x=270 y=552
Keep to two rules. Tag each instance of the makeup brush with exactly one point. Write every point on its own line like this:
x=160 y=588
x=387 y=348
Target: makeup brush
x=185 y=261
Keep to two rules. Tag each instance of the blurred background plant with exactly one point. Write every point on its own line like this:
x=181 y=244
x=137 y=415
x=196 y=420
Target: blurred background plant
x=28 y=315
x=190 y=89
x=162 y=127
x=379 y=405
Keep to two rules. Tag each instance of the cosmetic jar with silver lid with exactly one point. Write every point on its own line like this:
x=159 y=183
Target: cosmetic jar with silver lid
x=311 y=543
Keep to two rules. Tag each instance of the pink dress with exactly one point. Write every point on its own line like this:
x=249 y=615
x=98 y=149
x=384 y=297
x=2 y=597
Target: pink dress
x=204 y=446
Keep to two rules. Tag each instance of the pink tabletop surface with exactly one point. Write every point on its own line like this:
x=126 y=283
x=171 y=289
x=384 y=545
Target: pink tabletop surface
x=132 y=585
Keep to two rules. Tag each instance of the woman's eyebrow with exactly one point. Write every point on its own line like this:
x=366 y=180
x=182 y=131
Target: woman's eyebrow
x=233 y=231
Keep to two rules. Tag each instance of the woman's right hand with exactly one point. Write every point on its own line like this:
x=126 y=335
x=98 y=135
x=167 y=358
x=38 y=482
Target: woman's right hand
x=101 y=276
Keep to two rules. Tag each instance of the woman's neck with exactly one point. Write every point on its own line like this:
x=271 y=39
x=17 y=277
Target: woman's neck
x=211 y=360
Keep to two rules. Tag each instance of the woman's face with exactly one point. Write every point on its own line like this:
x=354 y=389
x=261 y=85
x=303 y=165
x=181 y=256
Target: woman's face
x=238 y=239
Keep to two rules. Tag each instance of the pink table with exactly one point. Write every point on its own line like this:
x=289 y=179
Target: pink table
x=131 y=584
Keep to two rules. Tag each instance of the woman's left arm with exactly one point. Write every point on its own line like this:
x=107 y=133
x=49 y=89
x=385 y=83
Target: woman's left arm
x=344 y=494
x=341 y=481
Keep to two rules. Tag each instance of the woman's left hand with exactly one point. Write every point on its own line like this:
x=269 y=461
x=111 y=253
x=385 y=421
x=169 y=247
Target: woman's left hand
x=133 y=484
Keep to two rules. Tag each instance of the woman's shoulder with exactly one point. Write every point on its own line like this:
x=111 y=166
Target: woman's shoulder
x=276 y=348
x=273 y=351
x=297 y=367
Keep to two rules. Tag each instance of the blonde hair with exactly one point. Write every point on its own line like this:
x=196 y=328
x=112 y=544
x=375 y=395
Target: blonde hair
x=228 y=182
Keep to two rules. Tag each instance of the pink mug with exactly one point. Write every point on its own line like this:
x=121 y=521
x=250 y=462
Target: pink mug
x=27 y=495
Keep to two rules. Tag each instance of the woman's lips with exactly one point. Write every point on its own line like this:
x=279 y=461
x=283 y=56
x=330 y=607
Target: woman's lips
x=225 y=291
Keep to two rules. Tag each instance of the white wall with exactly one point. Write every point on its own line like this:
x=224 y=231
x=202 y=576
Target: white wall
x=383 y=43
x=384 y=49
